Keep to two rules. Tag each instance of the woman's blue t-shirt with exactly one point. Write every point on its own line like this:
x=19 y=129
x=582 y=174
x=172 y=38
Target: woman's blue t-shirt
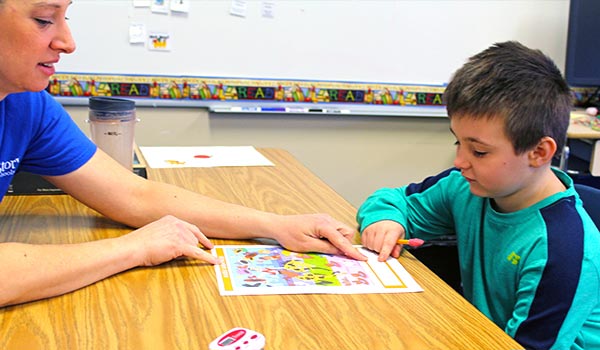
x=38 y=136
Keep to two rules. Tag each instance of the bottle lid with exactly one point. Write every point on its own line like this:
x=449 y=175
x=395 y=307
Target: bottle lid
x=110 y=104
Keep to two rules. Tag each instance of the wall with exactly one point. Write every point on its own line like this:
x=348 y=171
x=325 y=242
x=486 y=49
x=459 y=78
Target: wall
x=409 y=41
x=354 y=155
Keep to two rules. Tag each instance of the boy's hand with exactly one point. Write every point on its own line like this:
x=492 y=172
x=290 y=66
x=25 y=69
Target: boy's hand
x=382 y=237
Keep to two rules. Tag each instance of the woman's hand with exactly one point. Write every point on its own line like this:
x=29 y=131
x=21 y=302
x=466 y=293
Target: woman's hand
x=316 y=233
x=169 y=238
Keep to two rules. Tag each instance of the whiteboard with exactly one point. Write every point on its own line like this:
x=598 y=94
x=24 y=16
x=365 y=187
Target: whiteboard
x=409 y=41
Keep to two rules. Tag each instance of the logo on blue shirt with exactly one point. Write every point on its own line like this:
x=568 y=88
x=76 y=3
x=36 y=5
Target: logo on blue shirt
x=9 y=167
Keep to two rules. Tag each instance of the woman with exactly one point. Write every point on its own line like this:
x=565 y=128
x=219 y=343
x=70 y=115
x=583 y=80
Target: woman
x=38 y=136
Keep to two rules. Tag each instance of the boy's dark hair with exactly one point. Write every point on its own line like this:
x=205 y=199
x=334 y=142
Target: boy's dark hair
x=521 y=85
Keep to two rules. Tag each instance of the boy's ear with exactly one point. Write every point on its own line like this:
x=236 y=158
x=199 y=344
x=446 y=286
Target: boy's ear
x=543 y=152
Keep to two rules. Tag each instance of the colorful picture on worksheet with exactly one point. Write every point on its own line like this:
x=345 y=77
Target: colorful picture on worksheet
x=265 y=269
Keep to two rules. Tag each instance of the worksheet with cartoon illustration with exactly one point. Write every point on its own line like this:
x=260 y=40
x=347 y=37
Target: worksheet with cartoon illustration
x=270 y=269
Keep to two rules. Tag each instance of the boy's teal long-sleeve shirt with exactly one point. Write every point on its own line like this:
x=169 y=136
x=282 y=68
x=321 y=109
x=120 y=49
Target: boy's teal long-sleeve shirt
x=534 y=272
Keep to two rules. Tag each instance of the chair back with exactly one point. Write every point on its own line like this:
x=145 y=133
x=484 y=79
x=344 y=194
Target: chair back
x=590 y=196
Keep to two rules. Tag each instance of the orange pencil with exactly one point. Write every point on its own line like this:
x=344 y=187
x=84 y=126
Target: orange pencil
x=413 y=242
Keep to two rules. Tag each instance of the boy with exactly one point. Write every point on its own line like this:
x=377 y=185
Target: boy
x=37 y=135
x=529 y=253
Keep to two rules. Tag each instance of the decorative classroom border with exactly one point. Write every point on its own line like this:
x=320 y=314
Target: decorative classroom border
x=234 y=89
x=176 y=88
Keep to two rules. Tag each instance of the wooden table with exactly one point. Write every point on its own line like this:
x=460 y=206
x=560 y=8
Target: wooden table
x=580 y=131
x=580 y=128
x=177 y=305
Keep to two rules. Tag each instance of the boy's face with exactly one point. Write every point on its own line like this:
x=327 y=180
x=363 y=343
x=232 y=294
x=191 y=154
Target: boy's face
x=34 y=34
x=487 y=159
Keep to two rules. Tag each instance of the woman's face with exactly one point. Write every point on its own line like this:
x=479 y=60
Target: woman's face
x=34 y=34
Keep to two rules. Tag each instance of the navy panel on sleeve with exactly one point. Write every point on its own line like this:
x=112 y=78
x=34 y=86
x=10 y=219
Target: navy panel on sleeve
x=428 y=182
x=559 y=280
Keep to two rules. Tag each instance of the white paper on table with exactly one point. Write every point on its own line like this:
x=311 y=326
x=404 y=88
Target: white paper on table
x=203 y=157
x=270 y=269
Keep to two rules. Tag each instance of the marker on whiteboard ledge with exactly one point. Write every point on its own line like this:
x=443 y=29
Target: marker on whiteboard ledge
x=413 y=242
x=273 y=109
x=333 y=111
x=296 y=110
x=341 y=111
x=245 y=109
x=238 y=339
